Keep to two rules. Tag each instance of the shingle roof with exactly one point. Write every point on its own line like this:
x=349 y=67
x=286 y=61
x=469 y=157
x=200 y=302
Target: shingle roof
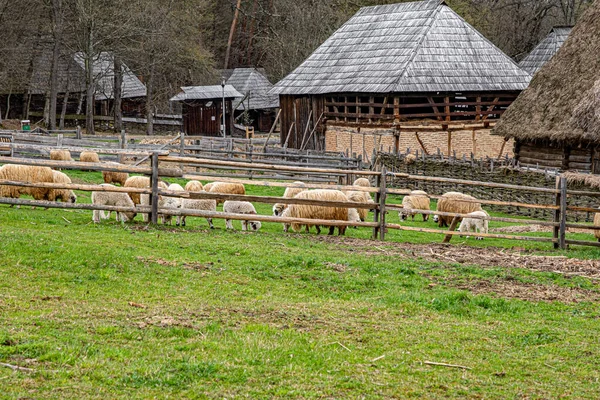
x=253 y=84
x=71 y=75
x=546 y=49
x=419 y=46
x=104 y=73
x=214 y=92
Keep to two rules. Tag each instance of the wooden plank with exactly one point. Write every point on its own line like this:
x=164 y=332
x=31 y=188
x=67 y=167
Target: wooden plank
x=452 y=228
x=484 y=235
x=154 y=185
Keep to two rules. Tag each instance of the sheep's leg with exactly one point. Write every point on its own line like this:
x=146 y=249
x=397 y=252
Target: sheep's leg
x=341 y=231
x=331 y=230
x=244 y=225
x=229 y=224
x=307 y=229
x=183 y=220
x=178 y=220
x=96 y=216
x=210 y=223
x=318 y=227
x=286 y=227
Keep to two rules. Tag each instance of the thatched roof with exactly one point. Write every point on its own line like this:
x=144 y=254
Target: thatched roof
x=420 y=46
x=563 y=101
x=254 y=86
x=546 y=49
x=214 y=92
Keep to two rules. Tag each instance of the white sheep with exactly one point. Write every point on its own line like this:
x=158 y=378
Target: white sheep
x=241 y=207
x=416 y=201
x=288 y=194
x=163 y=202
x=475 y=224
x=112 y=199
x=202 y=205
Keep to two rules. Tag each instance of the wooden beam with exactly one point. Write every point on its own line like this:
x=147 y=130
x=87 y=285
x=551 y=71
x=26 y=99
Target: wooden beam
x=436 y=110
x=491 y=108
x=421 y=143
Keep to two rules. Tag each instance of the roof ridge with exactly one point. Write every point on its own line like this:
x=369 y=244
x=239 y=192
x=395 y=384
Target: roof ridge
x=434 y=13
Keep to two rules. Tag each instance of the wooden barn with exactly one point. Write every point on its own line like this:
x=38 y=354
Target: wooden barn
x=202 y=109
x=546 y=49
x=393 y=66
x=556 y=122
x=260 y=106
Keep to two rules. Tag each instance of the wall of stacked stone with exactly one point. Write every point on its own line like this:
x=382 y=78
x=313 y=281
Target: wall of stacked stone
x=486 y=170
x=364 y=141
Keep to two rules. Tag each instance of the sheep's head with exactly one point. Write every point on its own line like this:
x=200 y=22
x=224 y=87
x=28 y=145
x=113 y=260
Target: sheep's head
x=72 y=198
x=255 y=225
x=353 y=215
x=436 y=218
x=278 y=209
x=403 y=216
x=128 y=216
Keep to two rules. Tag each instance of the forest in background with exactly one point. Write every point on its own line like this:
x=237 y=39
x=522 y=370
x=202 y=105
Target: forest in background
x=171 y=43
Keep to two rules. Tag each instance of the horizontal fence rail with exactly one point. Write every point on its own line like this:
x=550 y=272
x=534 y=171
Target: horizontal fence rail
x=161 y=165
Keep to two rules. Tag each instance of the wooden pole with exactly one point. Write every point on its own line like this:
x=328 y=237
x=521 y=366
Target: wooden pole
x=78 y=132
x=122 y=145
x=563 y=213
x=382 y=199
x=306 y=129
x=313 y=131
x=182 y=144
x=452 y=228
x=272 y=130
x=376 y=213
x=59 y=140
x=556 y=216
x=285 y=145
x=154 y=185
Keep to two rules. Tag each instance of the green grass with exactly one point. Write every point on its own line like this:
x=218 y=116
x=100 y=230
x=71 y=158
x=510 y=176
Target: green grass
x=112 y=311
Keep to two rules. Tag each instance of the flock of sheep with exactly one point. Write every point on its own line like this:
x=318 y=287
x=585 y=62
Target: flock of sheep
x=413 y=204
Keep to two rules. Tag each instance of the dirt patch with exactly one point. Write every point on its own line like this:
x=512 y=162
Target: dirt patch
x=194 y=266
x=513 y=289
x=536 y=228
x=465 y=255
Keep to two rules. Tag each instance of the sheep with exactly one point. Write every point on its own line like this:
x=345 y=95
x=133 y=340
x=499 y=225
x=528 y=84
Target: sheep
x=360 y=197
x=288 y=194
x=225 y=188
x=140 y=182
x=410 y=159
x=115 y=177
x=29 y=174
x=597 y=223
x=170 y=202
x=362 y=182
x=60 y=155
x=89 y=156
x=64 y=195
x=208 y=186
x=318 y=212
x=475 y=224
x=240 y=207
x=112 y=199
x=416 y=200
x=194 y=186
x=203 y=205
x=455 y=202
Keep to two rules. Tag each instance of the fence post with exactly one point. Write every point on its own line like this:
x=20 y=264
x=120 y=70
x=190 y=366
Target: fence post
x=556 y=219
x=78 y=132
x=122 y=145
x=563 y=213
x=59 y=140
x=376 y=214
x=182 y=144
x=382 y=199
x=154 y=184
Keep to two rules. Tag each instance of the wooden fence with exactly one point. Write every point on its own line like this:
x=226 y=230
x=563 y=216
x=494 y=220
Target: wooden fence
x=165 y=165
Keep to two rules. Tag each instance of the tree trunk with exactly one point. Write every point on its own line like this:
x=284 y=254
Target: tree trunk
x=118 y=92
x=57 y=22
x=232 y=32
x=63 y=112
x=150 y=102
x=89 y=106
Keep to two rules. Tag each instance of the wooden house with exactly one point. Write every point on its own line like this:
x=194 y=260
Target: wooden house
x=555 y=122
x=392 y=67
x=260 y=106
x=202 y=109
x=546 y=49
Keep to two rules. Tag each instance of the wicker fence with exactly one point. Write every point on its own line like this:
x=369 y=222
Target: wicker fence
x=164 y=165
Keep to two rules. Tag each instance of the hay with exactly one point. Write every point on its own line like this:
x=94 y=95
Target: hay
x=574 y=178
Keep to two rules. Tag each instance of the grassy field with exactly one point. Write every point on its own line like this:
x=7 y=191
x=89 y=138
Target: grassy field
x=112 y=311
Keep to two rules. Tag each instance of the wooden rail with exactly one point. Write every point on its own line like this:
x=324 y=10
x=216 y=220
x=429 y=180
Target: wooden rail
x=380 y=206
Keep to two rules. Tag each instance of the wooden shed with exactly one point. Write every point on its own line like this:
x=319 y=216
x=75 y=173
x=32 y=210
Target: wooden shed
x=556 y=122
x=397 y=64
x=256 y=101
x=202 y=109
